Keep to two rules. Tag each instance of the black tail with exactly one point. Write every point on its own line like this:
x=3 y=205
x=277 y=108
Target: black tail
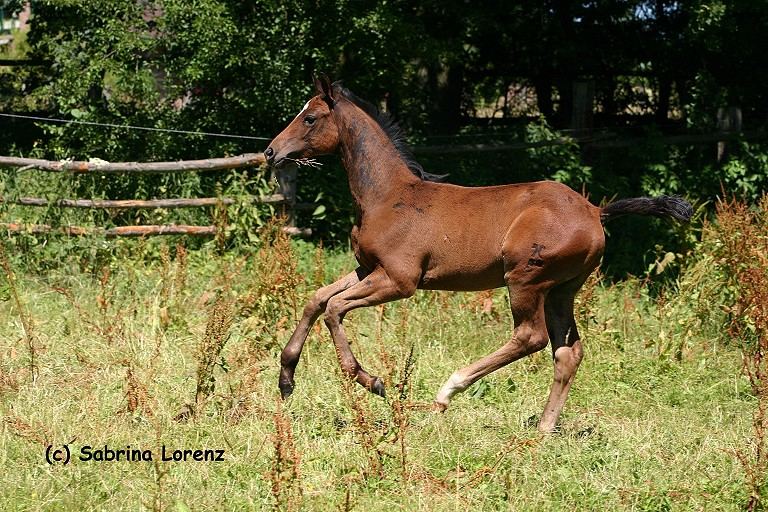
x=663 y=206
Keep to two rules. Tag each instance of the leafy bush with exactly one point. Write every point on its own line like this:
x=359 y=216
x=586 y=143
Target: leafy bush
x=561 y=162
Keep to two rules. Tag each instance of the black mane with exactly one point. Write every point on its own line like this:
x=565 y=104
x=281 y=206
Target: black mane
x=393 y=131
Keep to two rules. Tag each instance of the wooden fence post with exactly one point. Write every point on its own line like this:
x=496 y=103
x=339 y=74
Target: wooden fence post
x=583 y=106
x=286 y=179
x=728 y=122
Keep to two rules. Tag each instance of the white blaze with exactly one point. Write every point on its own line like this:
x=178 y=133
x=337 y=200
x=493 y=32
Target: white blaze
x=303 y=109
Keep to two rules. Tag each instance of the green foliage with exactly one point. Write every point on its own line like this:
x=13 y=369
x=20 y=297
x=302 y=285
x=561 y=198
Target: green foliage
x=328 y=188
x=745 y=173
x=243 y=220
x=561 y=162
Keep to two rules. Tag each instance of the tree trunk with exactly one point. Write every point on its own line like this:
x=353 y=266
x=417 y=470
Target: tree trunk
x=446 y=84
x=662 y=108
x=543 y=86
x=583 y=107
x=565 y=105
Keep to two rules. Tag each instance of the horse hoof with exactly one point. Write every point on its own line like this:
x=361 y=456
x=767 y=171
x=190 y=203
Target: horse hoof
x=286 y=388
x=377 y=387
x=438 y=407
x=547 y=429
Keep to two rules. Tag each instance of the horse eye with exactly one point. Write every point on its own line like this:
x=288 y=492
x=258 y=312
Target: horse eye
x=310 y=120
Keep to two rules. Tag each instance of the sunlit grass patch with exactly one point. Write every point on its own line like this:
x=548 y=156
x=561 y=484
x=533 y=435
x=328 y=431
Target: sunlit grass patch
x=657 y=413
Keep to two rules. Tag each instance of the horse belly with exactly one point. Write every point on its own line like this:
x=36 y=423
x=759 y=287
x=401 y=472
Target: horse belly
x=464 y=276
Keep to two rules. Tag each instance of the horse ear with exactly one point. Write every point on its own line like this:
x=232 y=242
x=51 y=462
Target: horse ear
x=325 y=88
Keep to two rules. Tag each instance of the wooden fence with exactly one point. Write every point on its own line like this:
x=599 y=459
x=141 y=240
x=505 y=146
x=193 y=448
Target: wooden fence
x=285 y=199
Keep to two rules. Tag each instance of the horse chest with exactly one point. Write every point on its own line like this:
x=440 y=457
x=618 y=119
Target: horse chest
x=381 y=244
x=361 y=251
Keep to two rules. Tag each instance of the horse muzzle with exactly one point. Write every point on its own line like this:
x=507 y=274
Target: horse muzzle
x=270 y=155
x=278 y=161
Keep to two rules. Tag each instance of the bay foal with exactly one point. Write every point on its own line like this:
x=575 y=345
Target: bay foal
x=541 y=240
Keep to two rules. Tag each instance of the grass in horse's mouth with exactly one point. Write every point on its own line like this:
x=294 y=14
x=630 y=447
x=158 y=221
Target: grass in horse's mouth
x=305 y=162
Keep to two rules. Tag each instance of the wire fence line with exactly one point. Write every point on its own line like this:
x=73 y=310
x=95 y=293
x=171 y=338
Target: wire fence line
x=133 y=127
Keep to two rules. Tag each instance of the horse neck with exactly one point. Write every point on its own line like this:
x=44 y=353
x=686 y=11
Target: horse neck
x=374 y=167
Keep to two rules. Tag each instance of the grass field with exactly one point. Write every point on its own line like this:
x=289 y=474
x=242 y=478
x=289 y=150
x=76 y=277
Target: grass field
x=182 y=351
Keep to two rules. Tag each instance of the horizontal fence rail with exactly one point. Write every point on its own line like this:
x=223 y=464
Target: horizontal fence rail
x=143 y=203
x=148 y=230
x=104 y=167
x=136 y=204
x=130 y=231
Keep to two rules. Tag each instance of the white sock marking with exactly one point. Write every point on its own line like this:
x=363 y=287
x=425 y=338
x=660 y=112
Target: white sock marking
x=453 y=385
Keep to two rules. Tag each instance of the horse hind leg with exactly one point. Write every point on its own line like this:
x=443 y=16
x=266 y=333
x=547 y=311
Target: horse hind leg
x=529 y=336
x=567 y=351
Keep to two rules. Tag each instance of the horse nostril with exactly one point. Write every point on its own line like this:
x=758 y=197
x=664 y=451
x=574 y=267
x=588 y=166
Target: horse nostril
x=269 y=153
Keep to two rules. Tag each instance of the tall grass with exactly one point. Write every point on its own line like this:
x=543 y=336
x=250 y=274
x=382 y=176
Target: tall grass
x=27 y=323
x=220 y=318
x=285 y=473
x=743 y=234
x=664 y=414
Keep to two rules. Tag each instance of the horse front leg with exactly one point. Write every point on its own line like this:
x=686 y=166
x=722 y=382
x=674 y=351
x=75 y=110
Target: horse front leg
x=289 y=358
x=377 y=288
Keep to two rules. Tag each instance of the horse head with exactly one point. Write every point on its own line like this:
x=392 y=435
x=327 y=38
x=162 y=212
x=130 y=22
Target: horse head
x=312 y=132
